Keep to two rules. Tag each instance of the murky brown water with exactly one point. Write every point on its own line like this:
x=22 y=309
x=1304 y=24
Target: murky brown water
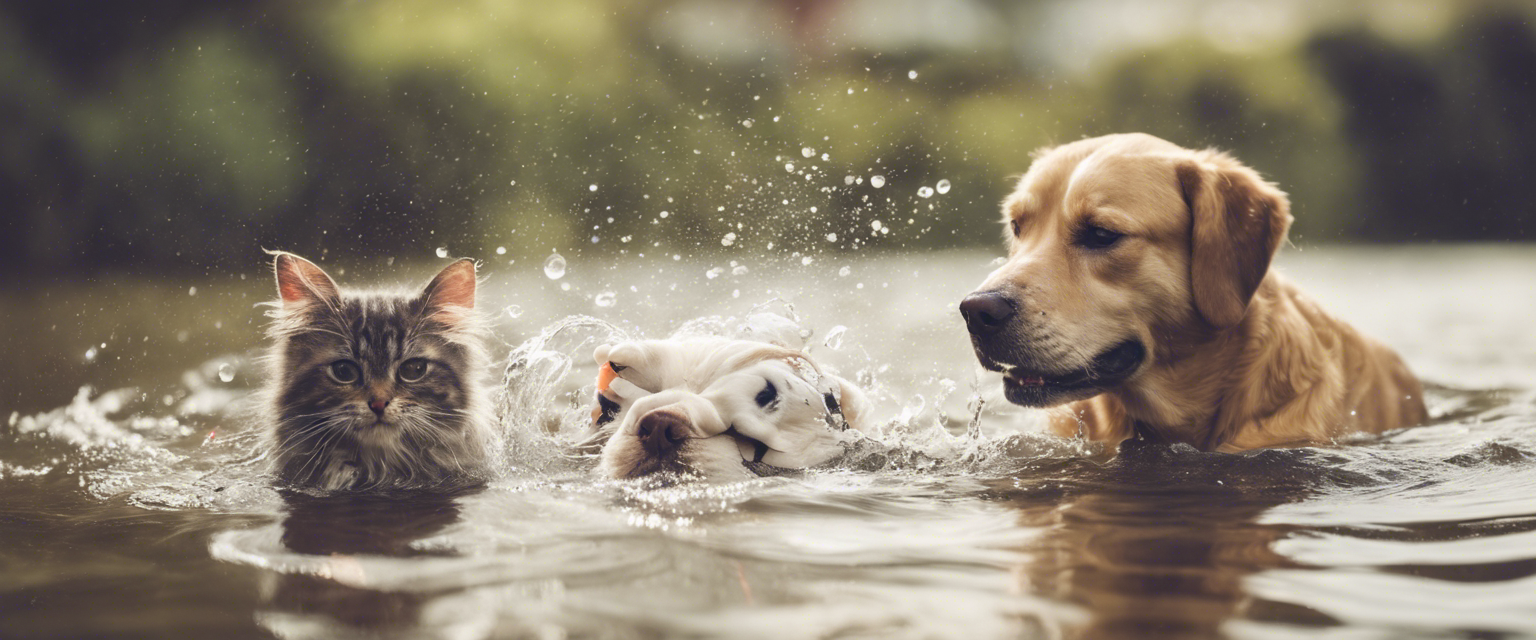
x=119 y=516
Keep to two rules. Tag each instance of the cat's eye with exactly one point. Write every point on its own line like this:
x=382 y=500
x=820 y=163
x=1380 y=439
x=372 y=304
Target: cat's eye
x=414 y=369
x=344 y=371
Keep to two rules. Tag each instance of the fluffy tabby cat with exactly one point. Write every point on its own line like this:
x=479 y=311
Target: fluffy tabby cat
x=377 y=389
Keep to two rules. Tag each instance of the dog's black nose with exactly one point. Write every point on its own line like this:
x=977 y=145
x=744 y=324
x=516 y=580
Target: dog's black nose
x=661 y=432
x=986 y=312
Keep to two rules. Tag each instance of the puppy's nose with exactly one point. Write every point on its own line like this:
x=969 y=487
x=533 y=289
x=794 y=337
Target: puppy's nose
x=985 y=312
x=661 y=432
x=378 y=405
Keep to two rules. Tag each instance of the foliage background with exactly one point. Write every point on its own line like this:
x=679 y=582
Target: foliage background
x=178 y=135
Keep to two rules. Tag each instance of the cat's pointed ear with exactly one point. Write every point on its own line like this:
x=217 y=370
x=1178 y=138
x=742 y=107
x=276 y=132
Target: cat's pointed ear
x=454 y=286
x=300 y=282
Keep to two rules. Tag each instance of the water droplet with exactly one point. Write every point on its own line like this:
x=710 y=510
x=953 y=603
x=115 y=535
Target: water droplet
x=513 y=311
x=592 y=187
x=501 y=251
x=877 y=181
x=925 y=191
x=714 y=272
x=665 y=214
x=806 y=261
x=789 y=166
x=554 y=266
x=843 y=272
x=913 y=408
x=831 y=237
x=442 y=252
x=226 y=372
x=191 y=291
x=912 y=75
x=807 y=151
x=942 y=187
x=605 y=299
x=728 y=240
x=626 y=238
x=876 y=225
x=739 y=270
x=90 y=354
x=848 y=180
x=834 y=340
x=747 y=123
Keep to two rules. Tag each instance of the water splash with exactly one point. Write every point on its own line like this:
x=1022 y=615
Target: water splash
x=834 y=339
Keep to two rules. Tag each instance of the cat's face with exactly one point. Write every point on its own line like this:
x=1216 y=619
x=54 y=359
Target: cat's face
x=377 y=389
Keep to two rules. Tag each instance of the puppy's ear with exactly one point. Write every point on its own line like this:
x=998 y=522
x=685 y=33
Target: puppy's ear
x=300 y=282
x=1238 y=222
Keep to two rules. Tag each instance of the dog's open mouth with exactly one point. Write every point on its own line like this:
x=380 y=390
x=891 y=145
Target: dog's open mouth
x=1107 y=369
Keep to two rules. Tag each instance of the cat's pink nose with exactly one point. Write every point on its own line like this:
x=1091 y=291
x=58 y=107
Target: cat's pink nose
x=378 y=405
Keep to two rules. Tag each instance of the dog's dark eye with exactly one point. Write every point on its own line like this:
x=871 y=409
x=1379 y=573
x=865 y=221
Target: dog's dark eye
x=767 y=395
x=344 y=371
x=1093 y=237
x=1015 y=224
x=413 y=369
x=616 y=366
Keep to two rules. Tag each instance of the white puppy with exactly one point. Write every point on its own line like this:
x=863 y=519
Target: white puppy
x=723 y=409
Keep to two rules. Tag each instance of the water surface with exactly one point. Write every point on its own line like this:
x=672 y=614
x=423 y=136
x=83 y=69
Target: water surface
x=132 y=501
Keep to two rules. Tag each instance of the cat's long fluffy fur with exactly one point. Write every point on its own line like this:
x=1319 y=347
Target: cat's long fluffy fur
x=377 y=389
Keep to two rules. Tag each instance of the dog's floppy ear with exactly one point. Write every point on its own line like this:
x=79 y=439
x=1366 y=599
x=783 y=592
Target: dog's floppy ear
x=1238 y=222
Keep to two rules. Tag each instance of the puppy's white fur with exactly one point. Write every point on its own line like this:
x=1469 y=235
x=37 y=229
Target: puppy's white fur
x=712 y=385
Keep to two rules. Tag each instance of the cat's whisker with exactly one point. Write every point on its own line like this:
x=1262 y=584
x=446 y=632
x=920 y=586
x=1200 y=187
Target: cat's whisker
x=332 y=436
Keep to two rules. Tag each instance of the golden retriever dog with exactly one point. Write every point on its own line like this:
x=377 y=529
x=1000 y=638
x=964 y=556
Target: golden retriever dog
x=720 y=409
x=1137 y=293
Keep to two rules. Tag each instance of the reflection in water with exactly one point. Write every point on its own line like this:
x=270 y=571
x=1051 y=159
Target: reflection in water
x=339 y=528
x=1158 y=542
